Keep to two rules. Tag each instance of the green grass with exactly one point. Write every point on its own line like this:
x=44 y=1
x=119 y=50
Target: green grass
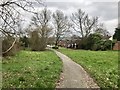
x=101 y=65
x=31 y=70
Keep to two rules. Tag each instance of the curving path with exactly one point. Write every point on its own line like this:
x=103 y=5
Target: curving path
x=73 y=76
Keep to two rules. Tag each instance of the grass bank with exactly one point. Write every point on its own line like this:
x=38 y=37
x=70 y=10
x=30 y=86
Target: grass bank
x=31 y=70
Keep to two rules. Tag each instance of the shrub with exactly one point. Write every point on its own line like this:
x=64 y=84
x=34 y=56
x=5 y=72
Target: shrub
x=102 y=45
x=24 y=41
x=6 y=44
x=37 y=43
x=95 y=42
x=107 y=45
x=88 y=42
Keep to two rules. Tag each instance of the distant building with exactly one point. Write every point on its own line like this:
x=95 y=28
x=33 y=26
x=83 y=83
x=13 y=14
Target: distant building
x=62 y=43
x=70 y=42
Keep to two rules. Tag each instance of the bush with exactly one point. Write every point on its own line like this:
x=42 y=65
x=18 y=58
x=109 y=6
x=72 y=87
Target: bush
x=102 y=45
x=6 y=44
x=24 y=42
x=107 y=45
x=37 y=43
x=95 y=42
x=88 y=42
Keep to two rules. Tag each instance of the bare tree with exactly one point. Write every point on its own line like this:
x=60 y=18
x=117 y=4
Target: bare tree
x=41 y=22
x=61 y=25
x=9 y=10
x=82 y=23
x=8 y=31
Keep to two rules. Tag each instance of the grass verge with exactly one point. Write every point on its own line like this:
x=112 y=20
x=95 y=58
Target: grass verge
x=102 y=65
x=31 y=70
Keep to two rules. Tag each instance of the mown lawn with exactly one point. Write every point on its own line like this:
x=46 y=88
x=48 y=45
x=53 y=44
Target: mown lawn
x=31 y=70
x=101 y=65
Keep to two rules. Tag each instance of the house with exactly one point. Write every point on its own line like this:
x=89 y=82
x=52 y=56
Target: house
x=116 y=46
x=70 y=42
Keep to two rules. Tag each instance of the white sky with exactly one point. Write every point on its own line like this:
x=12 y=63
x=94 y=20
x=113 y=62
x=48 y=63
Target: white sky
x=82 y=0
x=106 y=10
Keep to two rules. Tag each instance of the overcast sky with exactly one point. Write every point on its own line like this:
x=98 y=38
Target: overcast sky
x=106 y=10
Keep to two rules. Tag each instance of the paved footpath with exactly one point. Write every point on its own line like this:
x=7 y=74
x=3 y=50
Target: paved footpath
x=74 y=76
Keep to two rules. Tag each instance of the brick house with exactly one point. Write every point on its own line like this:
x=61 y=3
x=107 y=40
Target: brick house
x=116 y=46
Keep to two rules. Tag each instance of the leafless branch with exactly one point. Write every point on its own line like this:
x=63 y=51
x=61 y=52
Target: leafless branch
x=82 y=23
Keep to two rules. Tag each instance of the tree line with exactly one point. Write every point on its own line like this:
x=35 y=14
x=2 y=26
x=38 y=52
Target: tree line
x=47 y=26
